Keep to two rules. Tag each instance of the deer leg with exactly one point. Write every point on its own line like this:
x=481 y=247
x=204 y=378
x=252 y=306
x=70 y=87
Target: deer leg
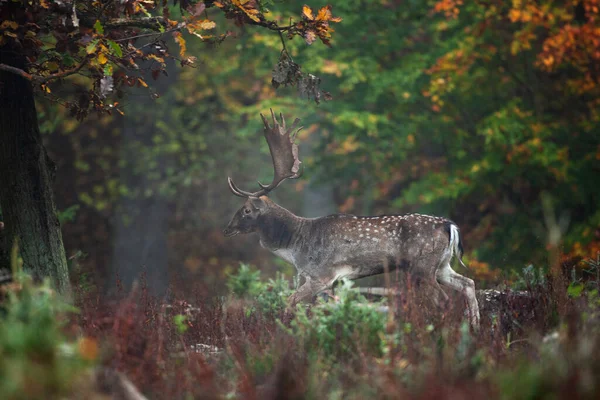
x=306 y=292
x=448 y=277
x=439 y=295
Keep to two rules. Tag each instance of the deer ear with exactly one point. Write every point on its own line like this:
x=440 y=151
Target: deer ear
x=258 y=203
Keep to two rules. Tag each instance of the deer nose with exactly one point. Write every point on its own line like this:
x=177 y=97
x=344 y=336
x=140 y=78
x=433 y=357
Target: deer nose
x=229 y=232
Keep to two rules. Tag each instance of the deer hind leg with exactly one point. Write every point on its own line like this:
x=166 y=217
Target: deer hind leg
x=448 y=277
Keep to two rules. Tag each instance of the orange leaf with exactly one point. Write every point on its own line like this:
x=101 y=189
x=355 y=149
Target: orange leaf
x=181 y=42
x=307 y=12
x=88 y=348
x=141 y=81
x=324 y=13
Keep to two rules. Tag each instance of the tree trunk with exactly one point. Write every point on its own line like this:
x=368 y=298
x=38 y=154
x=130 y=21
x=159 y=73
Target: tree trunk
x=26 y=175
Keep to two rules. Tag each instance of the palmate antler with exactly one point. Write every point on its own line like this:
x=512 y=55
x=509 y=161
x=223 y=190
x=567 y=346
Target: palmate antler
x=284 y=152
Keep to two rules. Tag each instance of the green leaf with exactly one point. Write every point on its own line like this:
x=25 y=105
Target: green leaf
x=98 y=27
x=179 y=321
x=67 y=60
x=108 y=69
x=91 y=47
x=115 y=48
x=575 y=289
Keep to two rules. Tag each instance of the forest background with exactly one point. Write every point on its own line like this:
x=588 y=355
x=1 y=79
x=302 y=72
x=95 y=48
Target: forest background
x=485 y=112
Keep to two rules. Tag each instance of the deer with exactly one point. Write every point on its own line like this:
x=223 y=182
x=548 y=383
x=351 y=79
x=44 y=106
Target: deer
x=326 y=249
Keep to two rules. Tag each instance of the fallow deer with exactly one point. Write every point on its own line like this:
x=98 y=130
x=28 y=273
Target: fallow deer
x=326 y=249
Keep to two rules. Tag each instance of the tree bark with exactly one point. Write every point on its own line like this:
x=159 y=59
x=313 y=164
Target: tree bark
x=26 y=175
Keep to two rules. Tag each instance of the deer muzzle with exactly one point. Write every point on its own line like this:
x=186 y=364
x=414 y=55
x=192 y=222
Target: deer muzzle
x=228 y=232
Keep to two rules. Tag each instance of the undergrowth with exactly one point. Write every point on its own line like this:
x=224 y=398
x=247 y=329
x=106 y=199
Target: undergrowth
x=250 y=346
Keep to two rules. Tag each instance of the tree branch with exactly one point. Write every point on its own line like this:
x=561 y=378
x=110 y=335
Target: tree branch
x=146 y=23
x=44 y=79
x=16 y=71
x=64 y=73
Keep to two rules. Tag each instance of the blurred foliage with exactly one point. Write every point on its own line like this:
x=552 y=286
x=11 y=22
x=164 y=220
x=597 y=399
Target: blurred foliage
x=37 y=358
x=342 y=328
x=450 y=110
x=104 y=41
x=270 y=296
x=462 y=109
x=349 y=349
x=344 y=349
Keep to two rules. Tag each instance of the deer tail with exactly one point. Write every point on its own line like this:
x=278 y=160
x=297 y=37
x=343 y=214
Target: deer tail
x=456 y=244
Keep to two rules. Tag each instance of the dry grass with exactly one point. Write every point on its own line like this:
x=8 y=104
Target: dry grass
x=423 y=352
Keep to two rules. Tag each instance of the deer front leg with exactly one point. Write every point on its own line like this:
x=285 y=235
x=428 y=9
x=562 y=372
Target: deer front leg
x=307 y=291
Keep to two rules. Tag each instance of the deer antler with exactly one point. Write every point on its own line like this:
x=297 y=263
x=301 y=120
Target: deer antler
x=284 y=152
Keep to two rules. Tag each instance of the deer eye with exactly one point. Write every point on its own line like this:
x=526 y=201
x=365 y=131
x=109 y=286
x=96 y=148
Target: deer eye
x=247 y=211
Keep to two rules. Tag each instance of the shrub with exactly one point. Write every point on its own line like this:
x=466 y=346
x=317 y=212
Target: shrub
x=342 y=328
x=37 y=360
x=270 y=297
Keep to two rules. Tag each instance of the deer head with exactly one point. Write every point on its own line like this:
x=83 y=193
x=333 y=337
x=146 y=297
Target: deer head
x=286 y=165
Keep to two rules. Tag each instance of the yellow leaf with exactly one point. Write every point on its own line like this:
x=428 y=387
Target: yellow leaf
x=46 y=89
x=181 y=42
x=102 y=59
x=515 y=47
x=251 y=12
x=141 y=81
x=9 y=24
x=52 y=66
x=307 y=13
x=206 y=24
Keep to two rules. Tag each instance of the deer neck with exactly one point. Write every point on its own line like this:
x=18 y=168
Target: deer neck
x=279 y=229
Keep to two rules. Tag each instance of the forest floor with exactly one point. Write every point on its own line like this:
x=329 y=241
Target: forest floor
x=248 y=346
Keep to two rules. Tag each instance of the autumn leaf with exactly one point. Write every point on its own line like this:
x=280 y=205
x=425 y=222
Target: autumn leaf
x=307 y=13
x=325 y=15
x=102 y=59
x=181 y=42
x=142 y=82
x=9 y=24
x=248 y=8
x=88 y=348
x=91 y=47
x=206 y=24
x=310 y=36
